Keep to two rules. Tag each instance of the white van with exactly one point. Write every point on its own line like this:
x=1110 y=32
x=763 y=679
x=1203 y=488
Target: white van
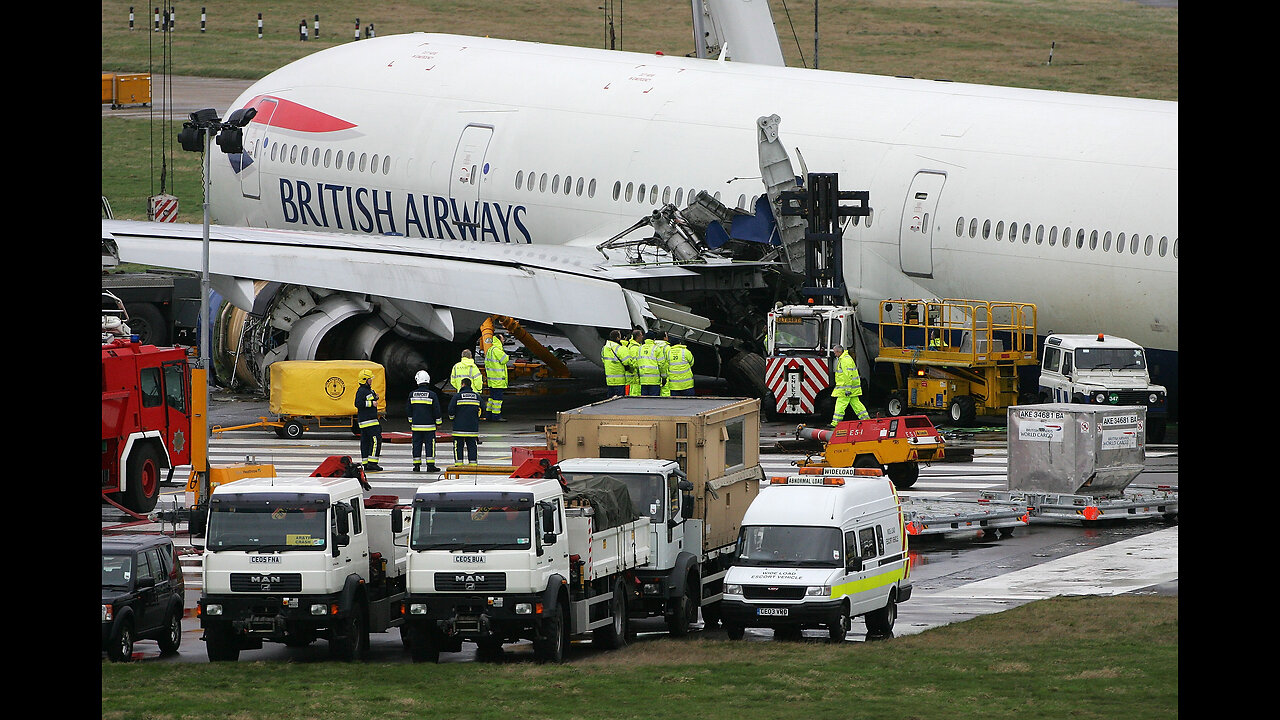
x=816 y=551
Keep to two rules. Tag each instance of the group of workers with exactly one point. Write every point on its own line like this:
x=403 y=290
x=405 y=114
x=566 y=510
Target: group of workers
x=649 y=364
x=426 y=412
x=653 y=363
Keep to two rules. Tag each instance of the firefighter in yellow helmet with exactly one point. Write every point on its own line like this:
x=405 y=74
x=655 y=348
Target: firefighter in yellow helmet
x=367 y=421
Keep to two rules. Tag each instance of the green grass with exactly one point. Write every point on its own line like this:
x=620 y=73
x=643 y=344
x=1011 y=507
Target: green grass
x=1081 y=657
x=1113 y=47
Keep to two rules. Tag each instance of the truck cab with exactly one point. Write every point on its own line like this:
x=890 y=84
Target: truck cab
x=799 y=356
x=295 y=559
x=816 y=551
x=1102 y=370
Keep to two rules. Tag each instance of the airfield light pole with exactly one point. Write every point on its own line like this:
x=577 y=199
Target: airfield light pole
x=198 y=135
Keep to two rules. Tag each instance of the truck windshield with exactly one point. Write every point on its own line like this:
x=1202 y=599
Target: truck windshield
x=647 y=490
x=268 y=525
x=790 y=546
x=797 y=333
x=1110 y=359
x=454 y=526
x=117 y=570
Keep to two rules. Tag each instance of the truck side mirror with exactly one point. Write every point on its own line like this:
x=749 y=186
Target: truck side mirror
x=397 y=521
x=548 y=538
x=341 y=540
x=685 y=485
x=686 y=506
x=855 y=564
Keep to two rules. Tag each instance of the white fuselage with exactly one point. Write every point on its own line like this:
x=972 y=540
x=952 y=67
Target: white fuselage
x=438 y=130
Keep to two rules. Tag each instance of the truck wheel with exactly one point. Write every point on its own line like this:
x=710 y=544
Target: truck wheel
x=904 y=474
x=120 y=648
x=142 y=475
x=148 y=324
x=550 y=648
x=489 y=650
x=897 y=405
x=838 y=629
x=735 y=632
x=221 y=645
x=353 y=644
x=424 y=642
x=614 y=635
x=962 y=411
x=172 y=636
x=686 y=613
x=880 y=622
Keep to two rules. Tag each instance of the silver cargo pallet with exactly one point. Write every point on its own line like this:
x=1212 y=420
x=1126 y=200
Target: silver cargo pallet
x=1133 y=504
x=926 y=516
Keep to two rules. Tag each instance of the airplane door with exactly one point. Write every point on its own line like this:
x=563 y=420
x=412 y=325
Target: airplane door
x=255 y=135
x=915 y=236
x=469 y=167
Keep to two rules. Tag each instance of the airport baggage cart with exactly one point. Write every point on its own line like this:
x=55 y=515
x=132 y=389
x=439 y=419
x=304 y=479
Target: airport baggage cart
x=932 y=516
x=1135 y=503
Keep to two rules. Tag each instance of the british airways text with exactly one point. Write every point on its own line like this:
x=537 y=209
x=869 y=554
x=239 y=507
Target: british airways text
x=370 y=210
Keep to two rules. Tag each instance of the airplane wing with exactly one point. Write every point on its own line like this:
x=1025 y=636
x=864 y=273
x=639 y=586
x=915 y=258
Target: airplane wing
x=554 y=285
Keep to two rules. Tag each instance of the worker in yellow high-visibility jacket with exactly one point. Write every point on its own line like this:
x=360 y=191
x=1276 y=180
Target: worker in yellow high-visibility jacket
x=848 y=388
x=679 y=368
x=495 y=371
x=615 y=373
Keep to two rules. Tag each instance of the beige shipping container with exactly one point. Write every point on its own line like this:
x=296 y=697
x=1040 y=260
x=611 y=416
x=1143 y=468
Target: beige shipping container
x=322 y=388
x=715 y=440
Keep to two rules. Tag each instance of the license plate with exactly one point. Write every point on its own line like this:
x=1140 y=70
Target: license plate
x=773 y=611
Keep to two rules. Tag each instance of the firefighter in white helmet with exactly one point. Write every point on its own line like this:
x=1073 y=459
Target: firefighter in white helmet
x=424 y=414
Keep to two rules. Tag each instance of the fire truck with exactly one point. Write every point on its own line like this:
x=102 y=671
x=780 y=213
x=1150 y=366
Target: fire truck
x=146 y=420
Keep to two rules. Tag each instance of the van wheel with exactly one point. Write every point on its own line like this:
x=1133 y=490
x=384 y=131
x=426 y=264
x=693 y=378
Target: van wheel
x=880 y=622
x=735 y=632
x=837 y=630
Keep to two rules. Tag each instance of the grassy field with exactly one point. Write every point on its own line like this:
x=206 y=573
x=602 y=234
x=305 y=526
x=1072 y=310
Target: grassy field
x=1113 y=47
x=1081 y=657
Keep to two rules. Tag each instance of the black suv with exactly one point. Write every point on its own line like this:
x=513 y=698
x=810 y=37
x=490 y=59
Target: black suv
x=142 y=594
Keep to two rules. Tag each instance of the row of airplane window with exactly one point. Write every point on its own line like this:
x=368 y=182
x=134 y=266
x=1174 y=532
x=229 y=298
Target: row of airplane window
x=1130 y=242
x=304 y=155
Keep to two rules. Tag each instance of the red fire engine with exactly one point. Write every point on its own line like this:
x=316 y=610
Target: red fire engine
x=146 y=420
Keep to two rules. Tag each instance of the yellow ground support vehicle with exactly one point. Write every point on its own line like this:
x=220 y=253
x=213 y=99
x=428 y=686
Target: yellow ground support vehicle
x=956 y=356
x=316 y=394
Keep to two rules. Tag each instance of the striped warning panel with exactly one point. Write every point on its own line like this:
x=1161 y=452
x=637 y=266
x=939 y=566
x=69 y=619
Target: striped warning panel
x=796 y=378
x=164 y=208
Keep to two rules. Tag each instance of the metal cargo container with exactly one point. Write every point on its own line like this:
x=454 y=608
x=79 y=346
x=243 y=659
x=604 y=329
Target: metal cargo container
x=1075 y=448
x=715 y=440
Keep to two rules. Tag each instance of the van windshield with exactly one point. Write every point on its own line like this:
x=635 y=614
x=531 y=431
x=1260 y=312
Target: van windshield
x=790 y=546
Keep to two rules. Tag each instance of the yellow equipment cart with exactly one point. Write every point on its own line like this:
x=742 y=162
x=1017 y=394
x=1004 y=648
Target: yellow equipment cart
x=316 y=394
x=956 y=356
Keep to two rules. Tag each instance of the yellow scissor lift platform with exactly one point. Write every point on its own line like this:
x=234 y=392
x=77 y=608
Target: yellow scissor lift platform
x=956 y=356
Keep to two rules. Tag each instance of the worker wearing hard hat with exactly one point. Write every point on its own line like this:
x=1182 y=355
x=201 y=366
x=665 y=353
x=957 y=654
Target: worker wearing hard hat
x=848 y=387
x=367 y=421
x=495 y=371
x=424 y=415
x=466 y=368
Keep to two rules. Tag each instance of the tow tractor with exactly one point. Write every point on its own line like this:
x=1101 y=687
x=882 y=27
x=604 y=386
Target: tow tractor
x=895 y=445
x=959 y=356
